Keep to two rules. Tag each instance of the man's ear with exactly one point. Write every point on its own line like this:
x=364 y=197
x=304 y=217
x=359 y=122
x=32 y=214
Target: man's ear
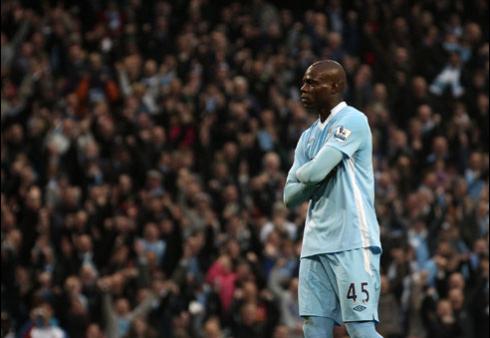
x=335 y=87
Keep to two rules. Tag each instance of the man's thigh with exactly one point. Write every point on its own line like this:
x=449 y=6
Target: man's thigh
x=357 y=279
x=317 y=290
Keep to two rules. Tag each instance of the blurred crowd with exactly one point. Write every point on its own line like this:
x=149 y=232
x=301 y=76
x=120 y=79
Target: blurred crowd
x=144 y=146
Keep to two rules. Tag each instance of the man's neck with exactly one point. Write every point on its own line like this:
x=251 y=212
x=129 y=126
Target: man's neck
x=325 y=113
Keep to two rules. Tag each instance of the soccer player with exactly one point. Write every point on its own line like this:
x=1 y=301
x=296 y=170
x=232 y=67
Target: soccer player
x=339 y=278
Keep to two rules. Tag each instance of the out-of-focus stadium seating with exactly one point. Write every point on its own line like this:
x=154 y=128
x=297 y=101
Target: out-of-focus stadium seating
x=144 y=146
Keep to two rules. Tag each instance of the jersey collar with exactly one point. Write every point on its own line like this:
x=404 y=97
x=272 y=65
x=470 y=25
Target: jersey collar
x=335 y=110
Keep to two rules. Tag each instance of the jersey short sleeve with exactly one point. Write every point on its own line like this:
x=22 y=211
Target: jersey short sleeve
x=349 y=133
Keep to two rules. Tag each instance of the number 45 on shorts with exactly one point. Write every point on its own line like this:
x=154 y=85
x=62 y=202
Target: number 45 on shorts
x=352 y=292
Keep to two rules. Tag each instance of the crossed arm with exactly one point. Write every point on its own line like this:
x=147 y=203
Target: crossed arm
x=303 y=179
x=320 y=166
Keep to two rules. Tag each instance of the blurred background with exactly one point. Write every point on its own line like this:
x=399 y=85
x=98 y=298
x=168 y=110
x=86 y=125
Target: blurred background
x=144 y=147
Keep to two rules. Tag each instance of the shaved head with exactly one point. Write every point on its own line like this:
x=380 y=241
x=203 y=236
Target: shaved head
x=323 y=86
x=331 y=70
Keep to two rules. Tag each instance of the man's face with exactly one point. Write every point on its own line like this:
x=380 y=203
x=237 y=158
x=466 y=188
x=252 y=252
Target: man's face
x=315 y=89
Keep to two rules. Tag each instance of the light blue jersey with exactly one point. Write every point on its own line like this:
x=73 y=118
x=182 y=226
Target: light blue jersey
x=341 y=214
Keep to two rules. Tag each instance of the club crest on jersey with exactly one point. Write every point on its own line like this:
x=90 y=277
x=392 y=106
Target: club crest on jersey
x=342 y=133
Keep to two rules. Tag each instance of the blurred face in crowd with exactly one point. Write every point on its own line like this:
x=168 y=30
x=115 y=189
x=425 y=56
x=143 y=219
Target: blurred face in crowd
x=117 y=284
x=14 y=238
x=15 y=134
x=444 y=308
x=380 y=92
x=440 y=146
x=476 y=161
x=150 y=67
x=481 y=246
x=230 y=193
x=212 y=328
x=419 y=86
x=45 y=279
x=233 y=248
x=271 y=163
x=250 y=291
x=281 y=331
x=72 y=285
x=120 y=256
x=71 y=196
x=424 y=113
x=85 y=244
x=88 y=275
x=400 y=139
x=151 y=232
x=456 y=297
x=125 y=183
x=33 y=200
x=455 y=60
x=94 y=331
x=42 y=315
x=444 y=249
x=249 y=314
x=244 y=272
x=456 y=281
x=122 y=307
x=398 y=255
x=225 y=263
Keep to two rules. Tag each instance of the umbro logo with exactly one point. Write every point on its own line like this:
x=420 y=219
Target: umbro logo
x=359 y=308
